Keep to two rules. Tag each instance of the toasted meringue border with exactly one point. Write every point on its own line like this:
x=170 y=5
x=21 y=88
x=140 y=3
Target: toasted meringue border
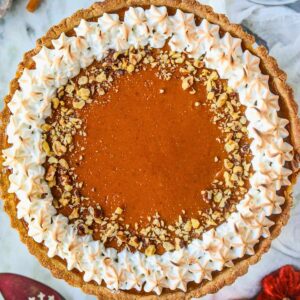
x=278 y=78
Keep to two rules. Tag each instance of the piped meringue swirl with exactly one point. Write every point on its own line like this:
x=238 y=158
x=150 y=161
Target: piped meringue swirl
x=217 y=249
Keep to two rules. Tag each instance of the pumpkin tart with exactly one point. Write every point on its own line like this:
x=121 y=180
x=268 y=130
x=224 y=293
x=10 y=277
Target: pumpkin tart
x=149 y=150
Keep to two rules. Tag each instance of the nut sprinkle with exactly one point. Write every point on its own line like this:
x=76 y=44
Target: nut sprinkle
x=155 y=235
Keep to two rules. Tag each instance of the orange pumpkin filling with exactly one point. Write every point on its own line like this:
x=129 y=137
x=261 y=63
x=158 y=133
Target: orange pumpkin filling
x=150 y=157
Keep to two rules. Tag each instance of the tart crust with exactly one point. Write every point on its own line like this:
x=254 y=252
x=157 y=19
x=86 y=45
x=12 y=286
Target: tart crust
x=277 y=83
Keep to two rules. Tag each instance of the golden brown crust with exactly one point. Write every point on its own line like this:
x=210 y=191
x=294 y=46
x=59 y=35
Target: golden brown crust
x=278 y=82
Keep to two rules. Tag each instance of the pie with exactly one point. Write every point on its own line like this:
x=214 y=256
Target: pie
x=149 y=150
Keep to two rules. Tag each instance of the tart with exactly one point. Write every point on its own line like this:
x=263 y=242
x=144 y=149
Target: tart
x=149 y=150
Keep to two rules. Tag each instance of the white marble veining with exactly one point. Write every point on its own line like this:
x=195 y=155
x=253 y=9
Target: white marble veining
x=18 y=32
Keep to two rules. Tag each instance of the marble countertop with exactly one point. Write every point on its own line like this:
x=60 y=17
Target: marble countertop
x=18 y=32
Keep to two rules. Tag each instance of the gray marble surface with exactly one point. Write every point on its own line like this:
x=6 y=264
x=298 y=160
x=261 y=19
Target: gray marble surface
x=18 y=32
